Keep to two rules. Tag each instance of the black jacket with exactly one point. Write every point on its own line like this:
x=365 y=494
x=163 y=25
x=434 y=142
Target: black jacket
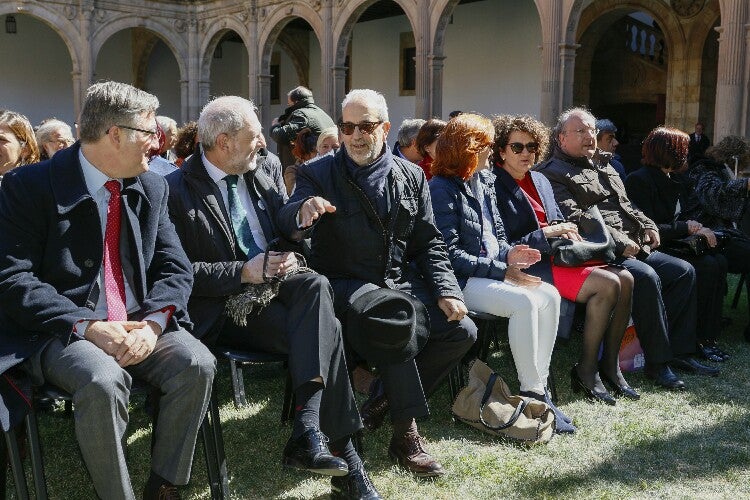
x=199 y=215
x=303 y=114
x=354 y=243
x=716 y=198
x=657 y=195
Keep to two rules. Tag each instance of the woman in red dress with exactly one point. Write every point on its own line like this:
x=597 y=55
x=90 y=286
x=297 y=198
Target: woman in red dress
x=530 y=215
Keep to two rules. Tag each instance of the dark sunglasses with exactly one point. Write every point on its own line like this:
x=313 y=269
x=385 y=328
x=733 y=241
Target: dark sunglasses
x=347 y=128
x=517 y=147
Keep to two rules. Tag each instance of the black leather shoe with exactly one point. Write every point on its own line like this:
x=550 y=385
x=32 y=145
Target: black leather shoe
x=310 y=452
x=577 y=385
x=709 y=353
x=375 y=409
x=354 y=486
x=691 y=365
x=713 y=346
x=662 y=375
x=619 y=390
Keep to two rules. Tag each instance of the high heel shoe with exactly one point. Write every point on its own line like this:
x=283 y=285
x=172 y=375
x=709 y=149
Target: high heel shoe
x=578 y=386
x=619 y=390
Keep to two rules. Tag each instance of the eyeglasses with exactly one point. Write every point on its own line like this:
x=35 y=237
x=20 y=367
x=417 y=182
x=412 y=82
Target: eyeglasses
x=149 y=132
x=588 y=130
x=347 y=128
x=517 y=147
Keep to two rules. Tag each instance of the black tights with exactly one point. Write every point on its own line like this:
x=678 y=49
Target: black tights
x=608 y=294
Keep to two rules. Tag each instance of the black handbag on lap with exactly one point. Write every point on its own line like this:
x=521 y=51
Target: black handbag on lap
x=597 y=244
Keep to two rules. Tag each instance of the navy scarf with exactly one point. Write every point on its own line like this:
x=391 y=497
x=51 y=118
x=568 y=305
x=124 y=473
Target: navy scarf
x=373 y=180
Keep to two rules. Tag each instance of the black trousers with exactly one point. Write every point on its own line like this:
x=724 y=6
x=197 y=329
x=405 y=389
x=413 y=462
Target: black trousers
x=711 y=284
x=737 y=253
x=408 y=384
x=300 y=322
x=664 y=305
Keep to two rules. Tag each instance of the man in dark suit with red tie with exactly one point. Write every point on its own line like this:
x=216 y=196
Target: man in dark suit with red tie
x=94 y=287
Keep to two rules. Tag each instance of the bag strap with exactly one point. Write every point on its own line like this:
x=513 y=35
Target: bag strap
x=487 y=392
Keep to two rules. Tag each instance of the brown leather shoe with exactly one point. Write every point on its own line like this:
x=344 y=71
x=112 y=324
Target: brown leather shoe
x=408 y=450
x=158 y=489
x=375 y=409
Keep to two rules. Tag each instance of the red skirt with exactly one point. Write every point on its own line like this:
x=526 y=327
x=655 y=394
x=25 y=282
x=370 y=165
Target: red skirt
x=569 y=280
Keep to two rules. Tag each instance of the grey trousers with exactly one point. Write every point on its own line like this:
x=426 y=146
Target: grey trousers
x=180 y=365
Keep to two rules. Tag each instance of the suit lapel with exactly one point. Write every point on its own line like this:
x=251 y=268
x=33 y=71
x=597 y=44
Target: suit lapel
x=207 y=190
x=259 y=186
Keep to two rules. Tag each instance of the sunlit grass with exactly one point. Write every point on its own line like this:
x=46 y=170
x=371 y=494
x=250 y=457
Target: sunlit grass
x=691 y=444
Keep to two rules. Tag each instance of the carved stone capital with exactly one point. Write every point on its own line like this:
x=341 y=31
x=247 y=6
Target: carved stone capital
x=180 y=25
x=70 y=11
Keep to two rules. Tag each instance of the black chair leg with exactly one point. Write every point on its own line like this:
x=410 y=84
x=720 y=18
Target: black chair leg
x=19 y=478
x=35 y=453
x=287 y=409
x=238 y=384
x=552 y=386
x=738 y=290
x=215 y=453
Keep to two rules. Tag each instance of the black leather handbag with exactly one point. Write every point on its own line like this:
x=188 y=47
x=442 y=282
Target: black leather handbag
x=696 y=245
x=597 y=244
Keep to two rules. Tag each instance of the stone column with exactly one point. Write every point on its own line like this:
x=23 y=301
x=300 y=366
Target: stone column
x=264 y=98
x=85 y=76
x=253 y=59
x=731 y=69
x=327 y=99
x=746 y=95
x=422 y=81
x=195 y=97
x=551 y=18
x=338 y=74
x=567 y=74
x=436 y=64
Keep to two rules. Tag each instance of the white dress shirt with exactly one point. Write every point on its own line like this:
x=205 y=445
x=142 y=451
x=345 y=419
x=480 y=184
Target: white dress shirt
x=217 y=175
x=95 y=180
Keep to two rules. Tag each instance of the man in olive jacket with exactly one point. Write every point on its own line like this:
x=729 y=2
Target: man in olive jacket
x=370 y=220
x=301 y=113
x=664 y=296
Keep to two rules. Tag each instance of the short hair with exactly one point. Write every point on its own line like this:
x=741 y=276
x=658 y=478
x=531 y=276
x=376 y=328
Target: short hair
x=370 y=98
x=299 y=93
x=459 y=145
x=428 y=133
x=605 y=125
x=505 y=124
x=48 y=127
x=409 y=130
x=112 y=103
x=167 y=124
x=567 y=115
x=187 y=136
x=728 y=148
x=454 y=113
x=24 y=132
x=224 y=115
x=305 y=145
x=665 y=147
x=330 y=132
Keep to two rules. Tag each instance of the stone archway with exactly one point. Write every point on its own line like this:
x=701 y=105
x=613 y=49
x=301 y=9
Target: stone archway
x=224 y=62
x=272 y=34
x=60 y=23
x=347 y=18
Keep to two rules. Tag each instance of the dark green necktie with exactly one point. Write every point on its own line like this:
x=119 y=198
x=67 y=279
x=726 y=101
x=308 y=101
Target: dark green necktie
x=239 y=220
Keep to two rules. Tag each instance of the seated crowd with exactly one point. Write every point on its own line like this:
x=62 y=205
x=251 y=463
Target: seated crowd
x=140 y=248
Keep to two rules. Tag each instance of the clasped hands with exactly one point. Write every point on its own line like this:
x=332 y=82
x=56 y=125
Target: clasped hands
x=521 y=257
x=129 y=342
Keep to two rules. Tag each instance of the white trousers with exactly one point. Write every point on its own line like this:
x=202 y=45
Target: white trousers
x=533 y=314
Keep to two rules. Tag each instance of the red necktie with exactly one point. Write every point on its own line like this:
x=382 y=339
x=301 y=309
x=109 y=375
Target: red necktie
x=114 y=283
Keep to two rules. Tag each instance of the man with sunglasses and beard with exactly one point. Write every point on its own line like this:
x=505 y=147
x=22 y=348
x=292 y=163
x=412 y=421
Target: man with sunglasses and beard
x=664 y=293
x=369 y=217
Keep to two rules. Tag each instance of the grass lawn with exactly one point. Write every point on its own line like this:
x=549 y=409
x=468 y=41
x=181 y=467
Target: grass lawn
x=690 y=444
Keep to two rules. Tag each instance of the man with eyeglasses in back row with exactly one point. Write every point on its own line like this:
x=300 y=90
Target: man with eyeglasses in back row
x=369 y=216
